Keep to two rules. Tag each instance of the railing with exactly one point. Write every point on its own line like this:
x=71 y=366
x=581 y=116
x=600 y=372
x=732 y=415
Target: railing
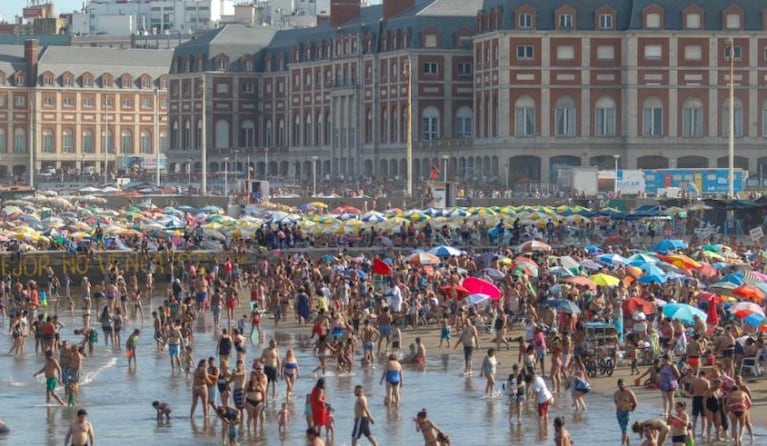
x=445 y=143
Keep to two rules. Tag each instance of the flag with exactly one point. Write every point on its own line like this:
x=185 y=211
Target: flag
x=434 y=171
x=381 y=267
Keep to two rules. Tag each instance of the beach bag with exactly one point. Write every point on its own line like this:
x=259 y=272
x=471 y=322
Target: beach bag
x=582 y=386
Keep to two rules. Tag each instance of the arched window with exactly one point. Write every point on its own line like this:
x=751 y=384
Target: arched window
x=48 y=141
x=222 y=134
x=281 y=133
x=88 y=146
x=463 y=127
x=198 y=135
x=318 y=130
x=145 y=141
x=247 y=134
x=126 y=142
x=430 y=123
x=296 y=130
x=369 y=127
x=692 y=118
x=604 y=117
x=524 y=116
x=174 y=135
x=738 y=118
x=268 y=135
x=308 y=129
x=19 y=141
x=67 y=141
x=652 y=117
x=3 y=142
x=564 y=117
x=186 y=144
x=107 y=141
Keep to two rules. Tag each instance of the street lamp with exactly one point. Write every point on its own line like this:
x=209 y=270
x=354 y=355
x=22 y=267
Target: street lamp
x=188 y=172
x=226 y=176
x=314 y=175
x=236 y=164
x=617 y=158
x=507 y=175
x=266 y=163
x=444 y=163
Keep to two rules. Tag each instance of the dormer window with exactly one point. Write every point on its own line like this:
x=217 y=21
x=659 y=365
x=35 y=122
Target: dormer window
x=48 y=80
x=732 y=21
x=126 y=82
x=19 y=80
x=200 y=65
x=652 y=20
x=67 y=81
x=88 y=81
x=565 y=21
x=605 y=21
x=692 y=21
x=526 y=21
x=248 y=65
x=221 y=65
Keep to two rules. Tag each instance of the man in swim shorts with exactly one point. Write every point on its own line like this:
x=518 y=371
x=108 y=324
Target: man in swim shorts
x=470 y=340
x=625 y=403
x=270 y=358
x=52 y=371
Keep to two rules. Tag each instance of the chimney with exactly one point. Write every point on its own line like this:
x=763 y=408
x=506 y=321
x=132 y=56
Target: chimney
x=31 y=56
x=341 y=11
x=394 y=7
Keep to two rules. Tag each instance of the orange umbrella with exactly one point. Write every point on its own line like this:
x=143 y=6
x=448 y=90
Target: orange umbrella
x=581 y=281
x=706 y=269
x=749 y=292
x=636 y=303
x=682 y=261
x=634 y=271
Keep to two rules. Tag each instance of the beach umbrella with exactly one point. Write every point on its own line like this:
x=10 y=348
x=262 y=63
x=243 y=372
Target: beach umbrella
x=581 y=281
x=443 y=251
x=710 y=255
x=681 y=261
x=561 y=272
x=706 y=270
x=612 y=259
x=668 y=245
x=455 y=290
x=457 y=213
x=605 y=280
x=683 y=312
x=593 y=249
x=563 y=305
x=319 y=205
x=535 y=246
x=754 y=319
x=478 y=299
x=476 y=285
x=590 y=265
x=422 y=258
x=486 y=258
x=347 y=216
x=749 y=292
x=653 y=278
x=570 y=263
x=637 y=304
x=712 y=298
x=712 y=316
x=306 y=207
x=493 y=273
x=747 y=307
x=640 y=258
x=734 y=278
x=651 y=268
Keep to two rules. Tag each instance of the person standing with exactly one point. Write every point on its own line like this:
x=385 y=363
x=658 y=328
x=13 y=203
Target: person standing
x=362 y=418
x=625 y=402
x=270 y=358
x=470 y=340
x=680 y=421
x=318 y=401
x=432 y=434
x=130 y=348
x=543 y=395
x=488 y=370
x=561 y=435
x=52 y=372
x=392 y=373
x=81 y=431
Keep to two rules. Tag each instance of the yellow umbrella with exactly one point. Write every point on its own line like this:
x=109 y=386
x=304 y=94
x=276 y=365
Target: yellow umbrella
x=319 y=205
x=602 y=279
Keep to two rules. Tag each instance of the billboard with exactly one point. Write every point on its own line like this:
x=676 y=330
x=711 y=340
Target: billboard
x=630 y=182
x=148 y=162
x=703 y=181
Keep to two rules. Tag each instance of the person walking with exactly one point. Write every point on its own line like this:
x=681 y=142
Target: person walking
x=470 y=340
x=81 y=431
x=625 y=402
x=362 y=418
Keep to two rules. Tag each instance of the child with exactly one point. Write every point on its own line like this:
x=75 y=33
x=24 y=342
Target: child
x=231 y=417
x=130 y=347
x=445 y=332
x=186 y=359
x=631 y=355
x=282 y=419
x=396 y=339
x=331 y=427
x=163 y=411
x=308 y=410
x=241 y=324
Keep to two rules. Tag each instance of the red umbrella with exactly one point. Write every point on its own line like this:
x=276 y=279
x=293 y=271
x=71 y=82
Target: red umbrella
x=749 y=292
x=581 y=281
x=456 y=290
x=475 y=285
x=381 y=267
x=636 y=303
x=710 y=298
x=712 y=317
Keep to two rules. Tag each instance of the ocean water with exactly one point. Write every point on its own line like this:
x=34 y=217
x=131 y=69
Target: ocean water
x=118 y=400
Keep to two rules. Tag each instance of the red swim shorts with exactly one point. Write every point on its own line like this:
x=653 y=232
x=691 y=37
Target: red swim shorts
x=543 y=408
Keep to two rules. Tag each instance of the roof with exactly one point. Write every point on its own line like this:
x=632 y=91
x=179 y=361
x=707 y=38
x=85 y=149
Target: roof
x=234 y=40
x=76 y=60
x=629 y=12
x=449 y=8
x=12 y=59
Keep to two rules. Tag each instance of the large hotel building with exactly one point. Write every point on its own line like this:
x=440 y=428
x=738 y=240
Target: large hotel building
x=508 y=90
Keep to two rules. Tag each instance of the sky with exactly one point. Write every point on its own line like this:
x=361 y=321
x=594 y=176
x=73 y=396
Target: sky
x=11 y=8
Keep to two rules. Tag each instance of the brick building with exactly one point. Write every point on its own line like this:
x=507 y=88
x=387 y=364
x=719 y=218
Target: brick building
x=61 y=107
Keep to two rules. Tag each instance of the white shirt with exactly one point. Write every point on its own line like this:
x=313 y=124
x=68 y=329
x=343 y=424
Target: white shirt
x=539 y=388
x=395 y=299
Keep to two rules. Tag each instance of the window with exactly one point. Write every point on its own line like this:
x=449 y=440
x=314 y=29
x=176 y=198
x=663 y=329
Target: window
x=248 y=65
x=126 y=142
x=88 y=141
x=732 y=21
x=296 y=130
x=145 y=142
x=430 y=124
x=127 y=103
x=764 y=120
x=221 y=65
x=163 y=141
x=738 y=118
x=692 y=21
x=49 y=100
x=67 y=81
x=2 y=101
x=174 y=139
x=525 y=52
x=19 y=80
x=606 y=52
x=652 y=117
x=186 y=141
x=737 y=51
x=605 y=21
x=222 y=134
x=464 y=69
x=564 y=117
x=565 y=52
x=20 y=101
x=247 y=134
x=107 y=141
x=604 y=117
x=430 y=68
x=565 y=21
x=693 y=52
x=430 y=41
x=68 y=101
x=67 y=141
x=3 y=146
x=692 y=118
x=268 y=139
x=19 y=141
x=88 y=102
x=88 y=81
x=106 y=81
x=463 y=119
x=281 y=133
x=652 y=20
x=126 y=82
x=248 y=87
x=48 y=141
x=222 y=88
x=524 y=117
x=146 y=103
x=525 y=21
x=653 y=52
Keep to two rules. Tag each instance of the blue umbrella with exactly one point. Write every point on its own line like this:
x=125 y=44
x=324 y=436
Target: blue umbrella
x=563 y=305
x=638 y=259
x=362 y=274
x=476 y=299
x=736 y=278
x=493 y=273
x=307 y=207
x=754 y=319
x=683 y=312
x=612 y=259
x=650 y=269
x=445 y=251
x=653 y=278
x=591 y=249
x=664 y=246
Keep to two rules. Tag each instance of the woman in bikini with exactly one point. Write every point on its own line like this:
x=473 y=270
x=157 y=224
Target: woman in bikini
x=290 y=372
x=254 y=399
x=680 y=422
x=738 y=404
x=432 y=434
x=200 y=384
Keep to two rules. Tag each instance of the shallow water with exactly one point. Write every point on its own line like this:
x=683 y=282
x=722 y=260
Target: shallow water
x=118 y=400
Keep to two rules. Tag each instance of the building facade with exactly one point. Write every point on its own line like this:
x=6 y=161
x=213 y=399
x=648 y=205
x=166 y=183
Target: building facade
x=78 y=109
x=507 y=90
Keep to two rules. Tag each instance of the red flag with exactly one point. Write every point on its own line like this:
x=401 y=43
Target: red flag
x=434 y=172
x=381 y=267
x=712 y=317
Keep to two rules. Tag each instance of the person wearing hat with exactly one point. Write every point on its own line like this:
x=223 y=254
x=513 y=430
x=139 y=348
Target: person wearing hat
x=81 y=431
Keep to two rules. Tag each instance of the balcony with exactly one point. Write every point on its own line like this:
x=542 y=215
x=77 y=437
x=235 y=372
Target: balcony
x=444 y=144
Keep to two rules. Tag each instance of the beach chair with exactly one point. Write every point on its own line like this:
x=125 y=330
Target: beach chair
x=751 y=363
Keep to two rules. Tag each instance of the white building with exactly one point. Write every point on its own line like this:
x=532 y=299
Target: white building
x=151 y=17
